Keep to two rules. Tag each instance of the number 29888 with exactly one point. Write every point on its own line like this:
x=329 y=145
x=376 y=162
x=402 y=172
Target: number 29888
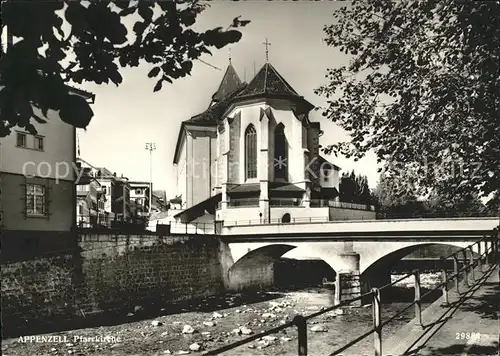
x=467 y=336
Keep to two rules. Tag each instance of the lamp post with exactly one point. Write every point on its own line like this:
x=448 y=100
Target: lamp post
x=150 y=146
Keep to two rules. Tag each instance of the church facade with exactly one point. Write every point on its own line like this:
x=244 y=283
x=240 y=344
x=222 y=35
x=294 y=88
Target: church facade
x=253 y=156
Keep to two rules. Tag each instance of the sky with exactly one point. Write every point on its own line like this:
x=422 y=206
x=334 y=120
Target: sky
x=129 y=116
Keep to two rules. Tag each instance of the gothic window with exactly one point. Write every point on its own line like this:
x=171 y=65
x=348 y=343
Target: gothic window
x=250 y=152
x=286 y=218
x=280 y=153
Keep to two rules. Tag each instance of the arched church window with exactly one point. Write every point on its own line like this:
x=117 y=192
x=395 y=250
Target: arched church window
x=286 y=218
x=280 y=153
x=250 y=152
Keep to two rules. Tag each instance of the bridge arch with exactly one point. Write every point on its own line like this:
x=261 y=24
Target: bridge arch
x=255 y=268
x=394 y=256
x=373 y=254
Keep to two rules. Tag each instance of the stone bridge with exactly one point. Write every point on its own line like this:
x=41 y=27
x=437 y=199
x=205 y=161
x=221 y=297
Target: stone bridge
x=366 y=249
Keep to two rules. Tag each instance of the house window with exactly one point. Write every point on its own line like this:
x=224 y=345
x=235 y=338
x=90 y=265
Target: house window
x=326 y=175
x=39 y=143
x=280 y=153
x=250 y=152
x=21 y=140
x=36 y=203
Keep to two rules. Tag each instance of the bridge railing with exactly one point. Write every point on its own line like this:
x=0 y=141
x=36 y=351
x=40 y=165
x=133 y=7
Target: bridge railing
x=487 y=253
x=339 y=218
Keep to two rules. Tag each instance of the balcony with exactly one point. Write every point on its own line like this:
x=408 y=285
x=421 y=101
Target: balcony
x=315 y=203
x=243 y=203
x=296 y=202
x=285 y=202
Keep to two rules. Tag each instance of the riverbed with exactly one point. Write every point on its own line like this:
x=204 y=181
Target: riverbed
x=197 y=331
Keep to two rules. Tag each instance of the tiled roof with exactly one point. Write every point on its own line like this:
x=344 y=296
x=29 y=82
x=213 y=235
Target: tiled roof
x=199 y=209
x=245 y=188
x=268 y=81
x=322 y=160
x=287 y=188
x=213 y=114
x=230 y=82
x=255 y=187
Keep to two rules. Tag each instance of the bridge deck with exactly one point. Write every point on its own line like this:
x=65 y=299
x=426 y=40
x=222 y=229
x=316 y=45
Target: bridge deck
x=467 y=328
x=469 y=228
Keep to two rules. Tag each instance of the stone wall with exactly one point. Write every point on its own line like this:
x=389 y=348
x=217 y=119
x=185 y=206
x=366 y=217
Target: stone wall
x=129 y=270
x=38 y=289
x=111 y=273
x=251 y=277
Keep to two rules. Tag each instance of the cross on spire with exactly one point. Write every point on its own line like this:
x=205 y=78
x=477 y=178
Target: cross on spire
x=229 y=55
x=267 y=44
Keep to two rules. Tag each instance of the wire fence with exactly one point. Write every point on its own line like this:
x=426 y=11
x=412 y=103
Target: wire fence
x=97 y=221
x=487 y=248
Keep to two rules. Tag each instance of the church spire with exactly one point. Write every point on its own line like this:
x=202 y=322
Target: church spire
x=229 y=56
x=230 y=82
x=267 y=44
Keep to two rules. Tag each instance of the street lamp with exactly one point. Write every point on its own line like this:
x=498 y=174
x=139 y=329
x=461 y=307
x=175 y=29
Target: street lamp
x=150 y=146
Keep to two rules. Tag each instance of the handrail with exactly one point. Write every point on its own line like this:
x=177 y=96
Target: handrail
x=300 y=321
x=338 y=219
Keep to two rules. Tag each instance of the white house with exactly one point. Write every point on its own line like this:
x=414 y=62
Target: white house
x=38 y=174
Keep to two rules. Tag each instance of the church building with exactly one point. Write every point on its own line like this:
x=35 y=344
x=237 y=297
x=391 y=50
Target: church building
x=253 y=156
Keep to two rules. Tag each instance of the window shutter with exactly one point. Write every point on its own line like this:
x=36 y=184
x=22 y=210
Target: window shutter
x=24 y=193
x=48 y=195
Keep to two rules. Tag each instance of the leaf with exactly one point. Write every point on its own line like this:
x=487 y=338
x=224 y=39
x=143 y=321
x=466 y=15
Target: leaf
x=145 y=11
x=187 y=66
x=76 y=111
x=115 y=77
x=127 y=11
x=122 y=4
x=117 y=34
x=154 y=72
x=139 y=28
x=75 y=14
x=56 y=53
x=158 y=85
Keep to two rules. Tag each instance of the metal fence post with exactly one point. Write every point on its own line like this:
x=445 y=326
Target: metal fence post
x=480 y=256
x=466 y=267
x=418 y=304
x=377 y=333
x=472 y=263
x=444 y=279
x=495 y=250
x=455 y=272
x=489 y=250
x=301 y=323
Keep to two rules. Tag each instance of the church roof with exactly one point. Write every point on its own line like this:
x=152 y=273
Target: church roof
x=323 y=160
x=268 y=81
x=206 y=206
x=230 y=83
x=212 y=115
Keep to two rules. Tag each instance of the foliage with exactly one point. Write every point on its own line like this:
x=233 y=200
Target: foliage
x=354 y=189
x=390 y=202
x=421 y=91
x=469 y=203
x=103 y=36
x=438 y=203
